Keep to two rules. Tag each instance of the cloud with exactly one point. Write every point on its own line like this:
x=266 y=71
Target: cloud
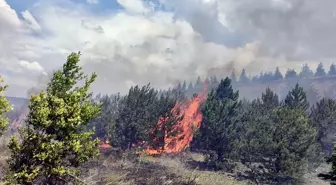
x=31 y=66
x=165 y=41
x=30 y=21
x=135 y=6
x=92 y=1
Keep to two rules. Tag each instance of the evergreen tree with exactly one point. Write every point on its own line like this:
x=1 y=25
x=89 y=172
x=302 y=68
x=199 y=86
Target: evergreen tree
x=297 y=98
x=320 y=70
x=331 y=176
x=276 y=144
x=198 y=83
x=184 y=86
x=233 y=77
x=291 y=73
x=54 y=143
x=277 y=74
x=217 y=131
x=4 y=108
x=323 y=116
x=332 y=70
x=136 y=116
x=168 y=115
x=306 y=72
x=207 y=81
x=294 y=141
x=105 y=122
x=270 y=100
x=190 y=86
x=243 y=78
x=214 y=80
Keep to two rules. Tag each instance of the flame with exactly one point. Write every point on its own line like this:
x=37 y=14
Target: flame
x=105 y=144
x=185 y=128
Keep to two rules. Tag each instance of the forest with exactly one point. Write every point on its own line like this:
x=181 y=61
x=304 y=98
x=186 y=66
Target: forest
x=277 y=140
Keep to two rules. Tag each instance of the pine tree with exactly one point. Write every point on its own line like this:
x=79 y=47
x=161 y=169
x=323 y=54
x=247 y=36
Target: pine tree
x=270 y=100
x=105 y=122
x=136 y=116
x=320 y=70
x=4 y=108
x=277 y=74
x=190 y=86
x=198 y=83
x=306 y=72
x=214 y=80
x=323 y=116
x=233 y=77
x=331 y=176
x=184 y=86
x=243 y=78
x=168 y=117
x=332 y=70
x=291 y=73
x=217 y=131
x=54 y=143
x=297 y=98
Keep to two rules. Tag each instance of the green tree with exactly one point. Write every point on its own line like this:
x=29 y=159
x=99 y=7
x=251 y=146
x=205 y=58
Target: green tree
x=332 y=70
x=331 y=176
x=270 y=100
x=277 y=144
x=136 y=117
x=198 y=83
x=54 y=143
x=190 y=86
x=320 y=70
x=297 y=98
x=306 y=72
x=105 y=121
x=4 y=108
x=243 y=77
x=233 y=77
x=277 y=74
x=291 y=73
x=218 y=129
x=323 y=116
x=167 y=116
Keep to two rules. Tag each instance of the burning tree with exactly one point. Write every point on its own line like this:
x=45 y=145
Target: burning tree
x=177 y=133
x=54 y=144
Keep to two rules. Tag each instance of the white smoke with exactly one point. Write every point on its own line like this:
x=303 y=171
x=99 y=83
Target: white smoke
x=142 y=43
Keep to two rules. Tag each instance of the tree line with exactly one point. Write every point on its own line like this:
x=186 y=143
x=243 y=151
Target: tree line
x=277 y=140
x=263 y=77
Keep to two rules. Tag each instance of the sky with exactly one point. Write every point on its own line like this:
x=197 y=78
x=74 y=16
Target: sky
x=129 y=42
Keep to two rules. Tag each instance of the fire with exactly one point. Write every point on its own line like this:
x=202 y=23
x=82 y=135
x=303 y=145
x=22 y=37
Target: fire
x=190 y=123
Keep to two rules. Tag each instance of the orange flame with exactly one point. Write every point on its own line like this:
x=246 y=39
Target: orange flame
x=190 y=123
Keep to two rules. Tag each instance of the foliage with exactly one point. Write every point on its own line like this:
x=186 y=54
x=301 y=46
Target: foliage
x=106 y=120
x=323 y=116
x=306 y=72
x=54 y=143
x=218 y=129
x=320 y=70
x=297 y=98
x=276 y=144
x=243 y=77
x=4 y=108
x=168 y=115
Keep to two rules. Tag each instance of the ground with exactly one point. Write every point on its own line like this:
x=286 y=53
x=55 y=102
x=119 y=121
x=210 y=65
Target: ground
x=116 y=168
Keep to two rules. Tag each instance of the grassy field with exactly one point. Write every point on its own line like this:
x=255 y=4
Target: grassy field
x=116 y=168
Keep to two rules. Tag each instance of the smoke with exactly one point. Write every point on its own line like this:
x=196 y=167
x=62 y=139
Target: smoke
x=164 y=41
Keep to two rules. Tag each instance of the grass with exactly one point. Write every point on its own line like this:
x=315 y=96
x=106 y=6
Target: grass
x=116 y=168
x=147 y=170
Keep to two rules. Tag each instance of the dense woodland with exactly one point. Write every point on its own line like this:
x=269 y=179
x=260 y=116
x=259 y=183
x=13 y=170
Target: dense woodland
x=278 y=140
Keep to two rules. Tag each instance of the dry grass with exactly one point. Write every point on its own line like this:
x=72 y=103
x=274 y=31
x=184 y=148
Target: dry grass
x=148 y=170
